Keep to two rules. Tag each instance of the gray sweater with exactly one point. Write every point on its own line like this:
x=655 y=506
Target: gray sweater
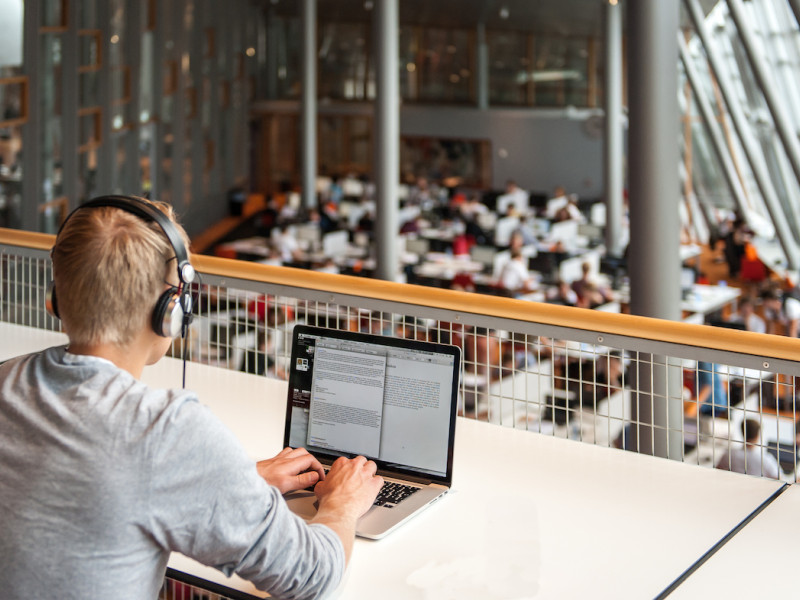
x=101 y=477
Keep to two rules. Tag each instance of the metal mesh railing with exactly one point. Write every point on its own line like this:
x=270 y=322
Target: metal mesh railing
x=638 y=392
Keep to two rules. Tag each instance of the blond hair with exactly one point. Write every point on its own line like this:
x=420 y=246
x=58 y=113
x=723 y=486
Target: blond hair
x=110 y=266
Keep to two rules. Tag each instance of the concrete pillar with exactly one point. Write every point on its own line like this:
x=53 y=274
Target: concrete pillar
x=613 y=150
x=308 y=108
x=482 y=67
x=654 y=190
x=387 y=138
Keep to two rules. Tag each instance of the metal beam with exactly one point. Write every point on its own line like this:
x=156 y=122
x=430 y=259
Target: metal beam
x=749 y=145
x=783 y=124
x=712 y=126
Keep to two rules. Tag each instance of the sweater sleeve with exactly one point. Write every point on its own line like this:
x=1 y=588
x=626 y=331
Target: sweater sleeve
x=208 y=502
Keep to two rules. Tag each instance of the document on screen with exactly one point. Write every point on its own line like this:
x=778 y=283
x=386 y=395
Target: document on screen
x=416 y=412
x=347 y=401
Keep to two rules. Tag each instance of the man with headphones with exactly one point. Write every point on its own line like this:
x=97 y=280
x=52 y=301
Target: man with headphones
x=101 y=477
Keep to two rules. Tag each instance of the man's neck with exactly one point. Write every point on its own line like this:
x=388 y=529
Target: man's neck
x=126 y=358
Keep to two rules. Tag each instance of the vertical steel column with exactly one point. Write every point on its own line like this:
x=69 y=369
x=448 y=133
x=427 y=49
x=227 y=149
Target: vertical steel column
x=482 y=68
x=214 y=101
x=227 y=115
x=387 y=137
x=106 y=153
x=308 y=119
x=197 y=56
x=613 y=148
x=654 y=259
x=242 y=18
x=783 y=124
x=272 y=49
x=157 y=63
x=749 y=145
x=178 y=157
x=46 y=147
x=31 y=157
x=132 y=184
x=69 y=108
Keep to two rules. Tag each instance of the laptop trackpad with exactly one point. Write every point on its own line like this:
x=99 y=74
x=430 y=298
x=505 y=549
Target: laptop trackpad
x=302 y=503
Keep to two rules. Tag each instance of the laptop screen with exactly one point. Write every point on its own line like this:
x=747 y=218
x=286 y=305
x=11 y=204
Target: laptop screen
x=391 y=400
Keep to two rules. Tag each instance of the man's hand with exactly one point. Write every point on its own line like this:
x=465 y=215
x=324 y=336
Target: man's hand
x=351 y=486
x=292 y=469
x=347 y=493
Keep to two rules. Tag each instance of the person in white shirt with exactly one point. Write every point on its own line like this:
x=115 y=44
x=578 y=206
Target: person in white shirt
x=556 y=203
x=515 y=198
x=750 y=458
x=514 y=275
x=570 y=211
x=286 y=243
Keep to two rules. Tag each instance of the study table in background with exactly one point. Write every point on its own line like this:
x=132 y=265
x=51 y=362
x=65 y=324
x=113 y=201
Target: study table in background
x=529 y=515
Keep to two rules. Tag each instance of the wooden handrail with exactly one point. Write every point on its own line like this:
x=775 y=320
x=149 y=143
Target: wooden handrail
x=26 y=239
x=598 y=322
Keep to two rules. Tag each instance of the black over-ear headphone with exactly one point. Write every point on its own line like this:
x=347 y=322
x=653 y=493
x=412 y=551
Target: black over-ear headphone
x=173 y=310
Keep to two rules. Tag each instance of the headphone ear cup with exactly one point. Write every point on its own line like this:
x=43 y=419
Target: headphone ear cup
x=168 y=314
x=50 y=300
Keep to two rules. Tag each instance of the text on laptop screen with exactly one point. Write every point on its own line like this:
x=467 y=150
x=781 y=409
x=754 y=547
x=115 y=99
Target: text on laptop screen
x=389 y=403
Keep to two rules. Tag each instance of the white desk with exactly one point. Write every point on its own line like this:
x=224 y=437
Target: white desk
x=573 y=520
x=706 y=299
x=529 y=515
x=701 y=301
x=443 y=266
x=758 y=562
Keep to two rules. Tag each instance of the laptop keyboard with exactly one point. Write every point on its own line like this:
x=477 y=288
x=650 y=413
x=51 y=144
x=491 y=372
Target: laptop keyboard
x=393 y=493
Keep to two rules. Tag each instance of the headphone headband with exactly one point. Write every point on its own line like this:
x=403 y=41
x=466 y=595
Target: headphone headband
x=145 y=210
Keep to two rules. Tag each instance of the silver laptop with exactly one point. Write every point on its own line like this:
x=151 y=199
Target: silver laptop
x=389 y=399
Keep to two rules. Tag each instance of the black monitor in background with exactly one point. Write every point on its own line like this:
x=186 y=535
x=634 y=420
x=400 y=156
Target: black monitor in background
x=489 y=198
x=538 y=200
x=727 y=324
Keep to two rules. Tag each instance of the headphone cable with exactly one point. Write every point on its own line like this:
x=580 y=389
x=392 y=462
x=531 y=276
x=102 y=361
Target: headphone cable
x=188 y=306
x=185 y=355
